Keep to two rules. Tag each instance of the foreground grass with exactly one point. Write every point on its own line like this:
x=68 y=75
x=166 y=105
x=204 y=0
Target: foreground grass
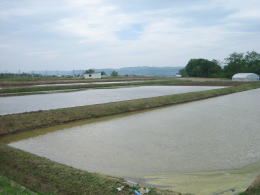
x=45 y=176
x=48 y=177
x=10 y=187
x=252 y=191
x=32 y=120
x=254 y=188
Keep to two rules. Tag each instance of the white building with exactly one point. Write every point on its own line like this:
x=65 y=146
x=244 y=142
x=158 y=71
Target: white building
x=245 y=77
x=95 y=75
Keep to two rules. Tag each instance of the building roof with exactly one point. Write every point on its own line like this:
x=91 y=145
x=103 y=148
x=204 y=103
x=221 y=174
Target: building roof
x=244 y=75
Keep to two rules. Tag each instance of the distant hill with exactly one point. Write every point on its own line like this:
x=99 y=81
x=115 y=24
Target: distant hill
x=138 y=71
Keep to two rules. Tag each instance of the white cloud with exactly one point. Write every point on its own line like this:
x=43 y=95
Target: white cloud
x=80 y=3
x=44 y=54
x=170 y=35
x=93 y=23
x=5 y=46
x=241 y=9
x=248 y=14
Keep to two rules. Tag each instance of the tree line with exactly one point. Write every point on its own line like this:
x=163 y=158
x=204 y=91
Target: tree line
x=113 y=73
x=234 y=63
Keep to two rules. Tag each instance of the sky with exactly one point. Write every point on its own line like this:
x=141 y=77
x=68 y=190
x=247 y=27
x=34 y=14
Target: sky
x=82 y=34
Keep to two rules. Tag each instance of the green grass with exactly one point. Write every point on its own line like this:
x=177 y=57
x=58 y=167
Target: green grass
x=45 y=176
x=8 y=186
x=251 y=191
x=48 y=177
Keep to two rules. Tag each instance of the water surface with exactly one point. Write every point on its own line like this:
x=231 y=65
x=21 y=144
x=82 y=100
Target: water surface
x=27 y=103
x=221 y=133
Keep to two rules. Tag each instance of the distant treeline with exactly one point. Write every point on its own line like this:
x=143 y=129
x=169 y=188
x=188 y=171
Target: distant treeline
x=23 y=76
x=234 y=63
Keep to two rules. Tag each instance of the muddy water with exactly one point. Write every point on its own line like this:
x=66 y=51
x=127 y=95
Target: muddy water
x=167 y=146
x=19 y=104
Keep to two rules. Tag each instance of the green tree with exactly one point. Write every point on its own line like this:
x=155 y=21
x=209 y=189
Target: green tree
x=89 y=71
x=114 y=74
x=201 y=68
x=252 y=60
x=183 y=72
x=234 y=63
x=103 y=73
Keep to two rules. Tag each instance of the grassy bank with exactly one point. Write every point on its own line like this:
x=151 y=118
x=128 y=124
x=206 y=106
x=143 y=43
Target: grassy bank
x=48 y=177
x=254 y=188
x=252 y=191
x=8 y=186
x=28 y=121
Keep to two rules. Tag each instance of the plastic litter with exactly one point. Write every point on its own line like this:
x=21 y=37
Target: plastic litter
x=119 y=189
x=137 y=192
x=144 y=190
x=131 y=184
x=147 y=190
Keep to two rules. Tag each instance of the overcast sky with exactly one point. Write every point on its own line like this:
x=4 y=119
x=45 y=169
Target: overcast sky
x=81 y=34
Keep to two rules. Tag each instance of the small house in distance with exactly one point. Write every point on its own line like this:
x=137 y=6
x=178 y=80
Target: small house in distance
x=245 y=77
x=94 y=75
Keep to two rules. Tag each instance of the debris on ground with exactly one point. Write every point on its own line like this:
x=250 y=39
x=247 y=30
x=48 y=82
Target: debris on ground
x=144 y=190
x=131 y=184
x=136 y=192
x=119 y=189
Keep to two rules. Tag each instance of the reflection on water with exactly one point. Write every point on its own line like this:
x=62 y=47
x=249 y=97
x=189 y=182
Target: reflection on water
x=18 y=104
x=214 y=134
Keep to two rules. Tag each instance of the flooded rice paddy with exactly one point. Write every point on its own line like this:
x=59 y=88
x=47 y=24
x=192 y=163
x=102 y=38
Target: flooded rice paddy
x=19 y=104
x=202 y=147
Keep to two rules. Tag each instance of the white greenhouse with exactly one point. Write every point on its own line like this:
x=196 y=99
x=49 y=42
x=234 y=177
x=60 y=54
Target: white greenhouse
x=245 y=77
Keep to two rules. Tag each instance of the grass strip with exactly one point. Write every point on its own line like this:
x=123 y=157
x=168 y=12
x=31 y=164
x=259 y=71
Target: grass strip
x=254 y=188
x=87 y=86
x=32 y=120
x=8 y=186
x=251 y=191
x=47 y=177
